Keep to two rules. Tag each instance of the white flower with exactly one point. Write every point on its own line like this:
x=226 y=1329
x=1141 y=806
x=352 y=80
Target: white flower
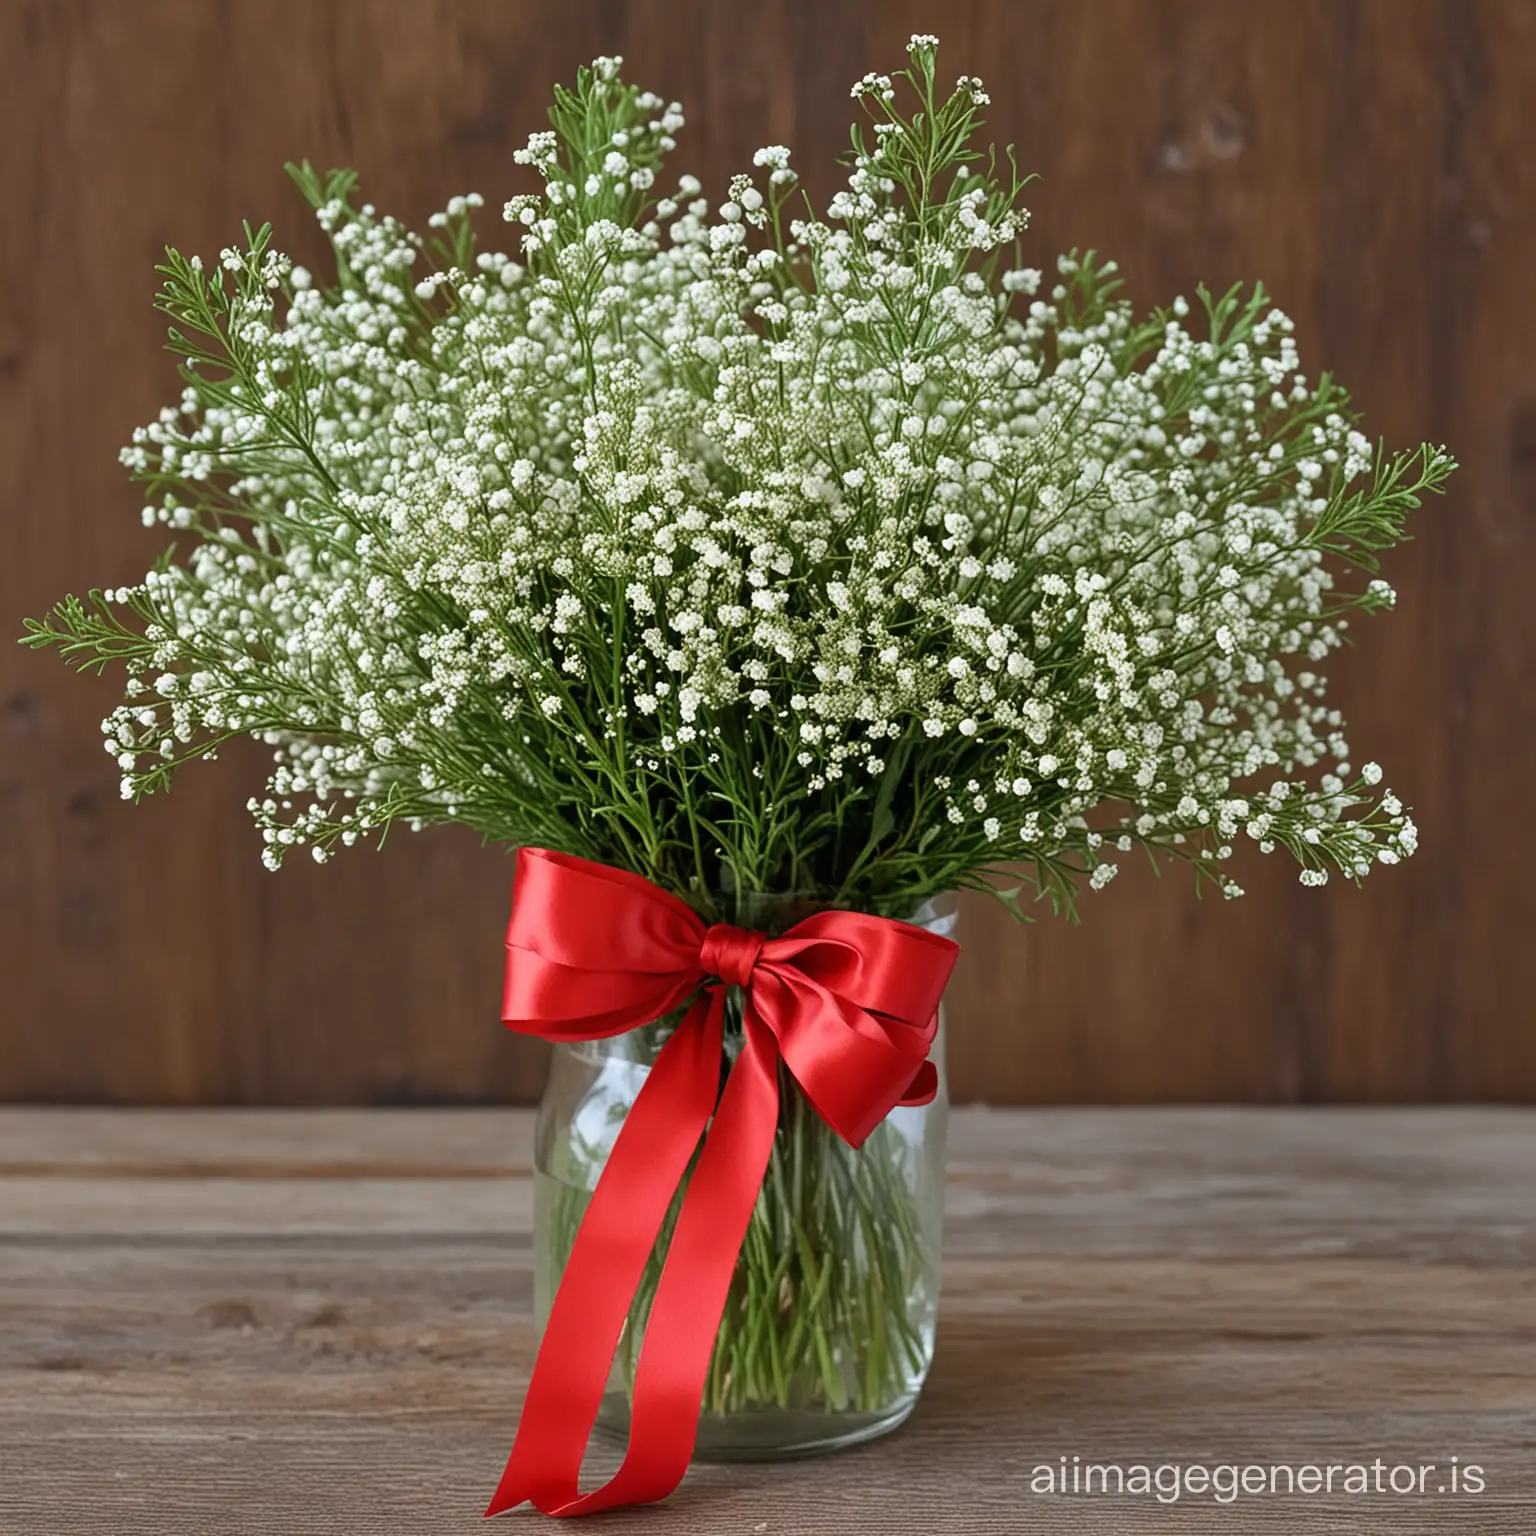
x=653 y=517
x=1102 y=875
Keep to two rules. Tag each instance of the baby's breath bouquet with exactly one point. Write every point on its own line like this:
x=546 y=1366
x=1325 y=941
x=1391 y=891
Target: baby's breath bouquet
x=830 y=557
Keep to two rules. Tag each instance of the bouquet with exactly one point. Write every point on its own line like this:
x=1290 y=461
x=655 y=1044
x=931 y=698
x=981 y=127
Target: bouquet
x=788 y=560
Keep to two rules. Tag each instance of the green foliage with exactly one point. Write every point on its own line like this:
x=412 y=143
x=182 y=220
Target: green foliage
x=769 y=550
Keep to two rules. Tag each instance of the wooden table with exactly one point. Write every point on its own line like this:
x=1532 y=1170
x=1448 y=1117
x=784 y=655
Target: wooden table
x=314 y=1323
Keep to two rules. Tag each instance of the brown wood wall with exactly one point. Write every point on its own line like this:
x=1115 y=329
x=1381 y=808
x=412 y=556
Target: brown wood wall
x=1373 y=161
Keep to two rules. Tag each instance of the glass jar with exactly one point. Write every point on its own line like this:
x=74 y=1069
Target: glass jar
x=827 y=1333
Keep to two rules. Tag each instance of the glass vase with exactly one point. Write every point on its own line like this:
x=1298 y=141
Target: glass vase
x=828 y=1329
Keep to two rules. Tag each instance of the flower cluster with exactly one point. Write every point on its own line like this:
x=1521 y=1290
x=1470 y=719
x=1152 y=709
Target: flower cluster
x=750 y=549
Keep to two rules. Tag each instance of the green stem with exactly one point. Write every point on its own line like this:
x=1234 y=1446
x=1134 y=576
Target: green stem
x=830 y=1307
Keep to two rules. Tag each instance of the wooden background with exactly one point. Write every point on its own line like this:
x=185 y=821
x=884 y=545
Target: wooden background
x=1374 y=161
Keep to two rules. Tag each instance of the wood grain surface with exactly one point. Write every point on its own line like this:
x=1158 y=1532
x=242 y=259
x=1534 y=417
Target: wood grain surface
x=281 y=1323
x=1373 y=161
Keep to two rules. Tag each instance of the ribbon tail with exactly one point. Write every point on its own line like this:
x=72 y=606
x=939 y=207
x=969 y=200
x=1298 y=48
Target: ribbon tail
x=618 y=1232
x=696 y=1279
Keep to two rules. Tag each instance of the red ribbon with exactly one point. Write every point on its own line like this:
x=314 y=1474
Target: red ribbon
x=847 y=1001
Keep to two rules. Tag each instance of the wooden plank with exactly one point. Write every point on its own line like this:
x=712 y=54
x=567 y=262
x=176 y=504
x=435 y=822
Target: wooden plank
x=1371 y=160
x=208 y=1326
x=265 y=1143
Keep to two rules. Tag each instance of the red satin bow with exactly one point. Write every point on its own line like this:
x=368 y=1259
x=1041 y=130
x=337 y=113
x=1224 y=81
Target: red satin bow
x=849 y=1003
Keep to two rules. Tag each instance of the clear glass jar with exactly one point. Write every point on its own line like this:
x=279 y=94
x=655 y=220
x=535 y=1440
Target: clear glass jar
x=828 y=1331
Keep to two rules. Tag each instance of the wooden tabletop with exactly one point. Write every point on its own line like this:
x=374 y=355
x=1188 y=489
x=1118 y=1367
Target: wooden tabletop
x=309 y=1324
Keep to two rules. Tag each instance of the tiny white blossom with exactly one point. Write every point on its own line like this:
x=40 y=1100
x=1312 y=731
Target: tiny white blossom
x=667 y=523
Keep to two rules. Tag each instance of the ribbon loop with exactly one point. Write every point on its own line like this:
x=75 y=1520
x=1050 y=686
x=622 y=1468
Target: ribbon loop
x=848 y=1002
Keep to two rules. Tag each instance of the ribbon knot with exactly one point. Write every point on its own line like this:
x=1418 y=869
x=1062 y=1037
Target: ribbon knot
x=847 y=1002
x=731 y=953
